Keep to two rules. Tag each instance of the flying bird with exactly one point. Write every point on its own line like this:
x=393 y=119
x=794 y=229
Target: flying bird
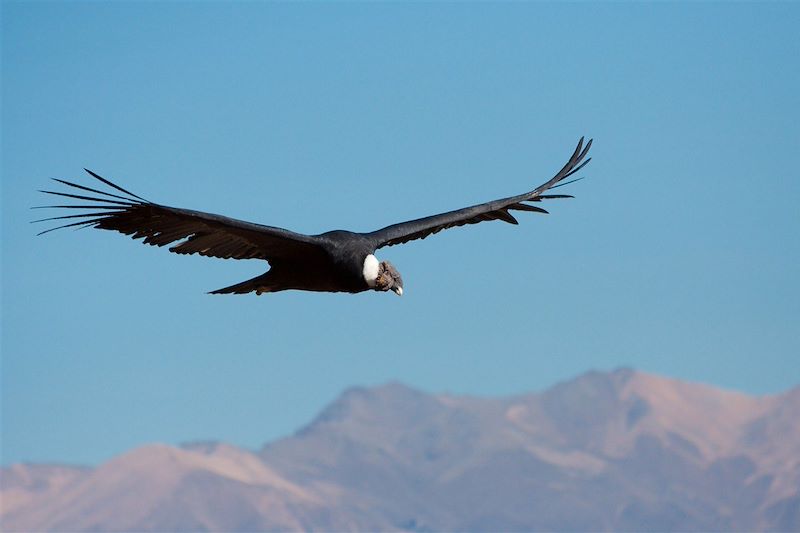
x=335 y=261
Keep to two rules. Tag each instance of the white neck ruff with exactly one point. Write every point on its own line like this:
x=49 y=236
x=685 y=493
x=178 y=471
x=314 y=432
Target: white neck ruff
x=370 y=271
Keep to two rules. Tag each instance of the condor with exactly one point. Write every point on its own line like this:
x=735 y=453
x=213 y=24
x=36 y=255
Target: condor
x=336 y=261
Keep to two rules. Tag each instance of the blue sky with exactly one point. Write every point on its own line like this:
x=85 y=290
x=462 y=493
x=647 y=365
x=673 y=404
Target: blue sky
x=679 y=255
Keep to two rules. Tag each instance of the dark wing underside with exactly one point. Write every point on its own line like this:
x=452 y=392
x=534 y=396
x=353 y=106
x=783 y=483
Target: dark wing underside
x=496 y=210
x=193 y=231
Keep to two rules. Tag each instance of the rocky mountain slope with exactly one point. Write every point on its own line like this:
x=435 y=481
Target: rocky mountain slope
x=607 y=451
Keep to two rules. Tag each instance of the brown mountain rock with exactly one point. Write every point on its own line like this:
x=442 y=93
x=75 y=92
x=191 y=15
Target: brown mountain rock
x=620 y=450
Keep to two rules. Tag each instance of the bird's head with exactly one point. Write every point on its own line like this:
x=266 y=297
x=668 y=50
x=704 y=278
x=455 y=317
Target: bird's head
x=389 y=279
x=382 y=275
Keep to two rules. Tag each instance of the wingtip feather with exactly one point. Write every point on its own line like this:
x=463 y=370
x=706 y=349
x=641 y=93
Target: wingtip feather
x=110 y=184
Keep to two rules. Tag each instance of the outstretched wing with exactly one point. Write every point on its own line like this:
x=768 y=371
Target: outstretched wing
x=496 y=210
x=158 y=225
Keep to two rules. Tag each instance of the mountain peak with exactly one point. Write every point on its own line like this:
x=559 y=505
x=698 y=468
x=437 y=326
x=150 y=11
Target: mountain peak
x=615 y=450
x=361 y=403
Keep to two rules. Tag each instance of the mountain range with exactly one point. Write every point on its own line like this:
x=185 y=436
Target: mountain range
x=621 y=450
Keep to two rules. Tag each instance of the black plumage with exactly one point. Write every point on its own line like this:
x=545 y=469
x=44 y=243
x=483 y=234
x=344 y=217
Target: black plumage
x=336 y=261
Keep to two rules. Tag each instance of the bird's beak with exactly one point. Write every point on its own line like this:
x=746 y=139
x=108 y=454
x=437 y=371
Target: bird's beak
x=398 y=290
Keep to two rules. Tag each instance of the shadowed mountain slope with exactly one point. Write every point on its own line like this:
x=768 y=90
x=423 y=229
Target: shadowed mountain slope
x=606 y=451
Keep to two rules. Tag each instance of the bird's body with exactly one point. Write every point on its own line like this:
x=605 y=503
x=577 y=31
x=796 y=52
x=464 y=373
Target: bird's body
x=340 y=268
x=335 y=261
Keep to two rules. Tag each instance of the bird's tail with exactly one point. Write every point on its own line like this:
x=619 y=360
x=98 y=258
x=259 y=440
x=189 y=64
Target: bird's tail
x=258 y=284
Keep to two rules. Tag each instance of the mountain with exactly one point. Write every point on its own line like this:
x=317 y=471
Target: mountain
x=620 y=450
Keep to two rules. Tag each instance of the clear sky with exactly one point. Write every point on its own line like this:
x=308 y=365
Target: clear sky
x=679 y=255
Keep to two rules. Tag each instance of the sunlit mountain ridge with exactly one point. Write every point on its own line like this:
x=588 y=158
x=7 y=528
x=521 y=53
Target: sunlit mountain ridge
x=621 y=450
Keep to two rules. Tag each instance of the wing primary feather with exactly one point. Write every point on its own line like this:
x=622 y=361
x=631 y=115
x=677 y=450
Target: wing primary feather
x=586 y=149
x=565 y=171
x=79 y=197
x=505 y=216
x=573 y=160
x=576 y=169
x=577 y=150
x=113 y=185
x=82 y=223
x=526 y=207
x=72 y=216
x=566 y=183
x=118 y=207
x=553 y=196
x=77 y=186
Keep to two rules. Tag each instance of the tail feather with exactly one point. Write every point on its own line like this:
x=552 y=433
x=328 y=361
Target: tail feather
x=259 y=284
